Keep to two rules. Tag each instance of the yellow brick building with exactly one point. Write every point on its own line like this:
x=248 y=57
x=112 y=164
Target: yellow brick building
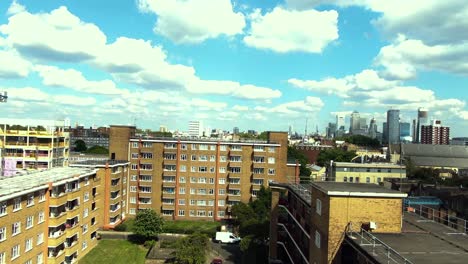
x=197 y=179
x=366 y=172
x=53 y=216
x=27 y=144
x=309 y=223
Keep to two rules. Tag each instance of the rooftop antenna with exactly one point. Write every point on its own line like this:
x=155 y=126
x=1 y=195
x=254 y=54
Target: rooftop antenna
x=305 y=134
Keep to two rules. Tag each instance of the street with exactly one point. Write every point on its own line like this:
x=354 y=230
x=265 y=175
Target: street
x=229 y=253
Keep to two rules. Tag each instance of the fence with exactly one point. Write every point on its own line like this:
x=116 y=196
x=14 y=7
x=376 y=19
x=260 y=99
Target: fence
x=376 y=246
x=439 y=216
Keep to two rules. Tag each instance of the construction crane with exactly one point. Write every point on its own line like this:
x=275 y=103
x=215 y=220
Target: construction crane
x=3 y=97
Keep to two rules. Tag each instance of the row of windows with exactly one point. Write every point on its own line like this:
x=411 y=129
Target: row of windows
x=15 y=253
x=16 y=226
x=370 y=170
x=18 y=203
x=201 y=169
x=202 y=146
x=357 y=179
x=211 y=158
x=201 y=180
x=29 y=243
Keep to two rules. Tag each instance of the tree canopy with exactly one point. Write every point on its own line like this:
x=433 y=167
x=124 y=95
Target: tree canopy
x=295 y=154
x=97 y=150
x=148 y=224
x=254 y=226
x=335 y=154
x=361 y=140
x=80 y=145
x=191 y=249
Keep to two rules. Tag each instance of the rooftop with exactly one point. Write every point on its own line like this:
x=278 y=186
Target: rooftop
x=14 y=186
x=421 y=241
x=99 y=163
x=368 y=165
x=355 y=189
x=207 y=140
x=304 y=191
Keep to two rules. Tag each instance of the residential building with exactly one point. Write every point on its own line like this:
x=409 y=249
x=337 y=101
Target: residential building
x=461 y=141
x=195 y=129
x=90 y=136
x=374 y=173
x=49 y=216
x=30 y=144
x=328 y=222
x=435 y=134
x=114 y=176
x=393 y=126
x=197 y=178
x=423 y=120
x=309 y=224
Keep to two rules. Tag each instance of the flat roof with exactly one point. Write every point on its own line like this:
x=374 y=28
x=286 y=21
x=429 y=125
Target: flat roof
x=99 y=163
x=423 y=241
x=190 y=140
x=355 y=189
x=18 y=185
x=368 y=165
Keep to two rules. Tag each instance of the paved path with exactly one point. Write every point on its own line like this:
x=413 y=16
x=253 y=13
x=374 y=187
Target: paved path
x=229 y=253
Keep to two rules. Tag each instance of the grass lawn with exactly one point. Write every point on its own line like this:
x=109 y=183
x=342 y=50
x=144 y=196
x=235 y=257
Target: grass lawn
x=115 y=252
x=189 y=227
x=182 y=227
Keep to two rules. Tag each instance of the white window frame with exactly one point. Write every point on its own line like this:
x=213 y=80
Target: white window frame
x=29 y=221
x=28 y=244
x=318 y=206
x=318 y=239
x=3 y=234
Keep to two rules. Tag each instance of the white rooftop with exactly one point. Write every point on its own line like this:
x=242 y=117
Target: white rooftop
x=32 y=122
x=18 y=185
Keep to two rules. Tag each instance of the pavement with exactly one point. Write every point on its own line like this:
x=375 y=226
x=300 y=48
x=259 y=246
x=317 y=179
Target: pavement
x=229 y=253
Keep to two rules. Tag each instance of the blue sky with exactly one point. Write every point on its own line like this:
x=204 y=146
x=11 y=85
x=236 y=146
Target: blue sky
x=260 y=65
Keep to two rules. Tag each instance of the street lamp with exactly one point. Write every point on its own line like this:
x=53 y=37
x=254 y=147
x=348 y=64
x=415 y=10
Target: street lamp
x=3 y=97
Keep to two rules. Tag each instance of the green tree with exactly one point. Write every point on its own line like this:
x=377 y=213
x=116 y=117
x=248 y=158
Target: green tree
x=148 y=224
x=242 y=212
x=263 y=136
x=295 y=154
x=80 y=145
x=191 y=249
x=97 y=150
x=361 y=140
x=335 y=154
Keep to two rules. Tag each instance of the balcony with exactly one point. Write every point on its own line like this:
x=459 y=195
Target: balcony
x=169 y=172
x=145 y=194
x=54 y=252
x=58 y=199
x=72 y=223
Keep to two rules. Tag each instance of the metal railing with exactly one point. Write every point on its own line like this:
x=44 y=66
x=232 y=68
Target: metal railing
x=378 y=248
x=439 y=216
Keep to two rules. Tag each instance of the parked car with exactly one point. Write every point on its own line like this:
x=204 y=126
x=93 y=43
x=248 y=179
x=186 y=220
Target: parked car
x=226 y=237
x=217 y=261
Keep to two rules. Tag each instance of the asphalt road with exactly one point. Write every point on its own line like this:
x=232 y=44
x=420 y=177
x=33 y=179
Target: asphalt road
x=229 y=253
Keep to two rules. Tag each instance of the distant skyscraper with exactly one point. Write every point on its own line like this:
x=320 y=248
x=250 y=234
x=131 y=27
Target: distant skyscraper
x=405 y=131
x=393 y=126
x=290 y=130
x=414 y=131
x=340 y=121
x=373 y=128
x=331 y=129
x=435 y=134
x=195 y=128
x=423 y=120
x=235 y=130
x=363 y=124
x=384 y=133
x=355 y=122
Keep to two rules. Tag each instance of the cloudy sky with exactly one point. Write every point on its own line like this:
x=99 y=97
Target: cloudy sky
x=260 y=65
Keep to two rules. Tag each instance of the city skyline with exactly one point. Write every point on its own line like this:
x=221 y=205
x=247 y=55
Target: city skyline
x=147 y=63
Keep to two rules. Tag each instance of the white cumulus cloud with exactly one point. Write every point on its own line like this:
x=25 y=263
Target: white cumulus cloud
x=194 y=21
x=283 y=30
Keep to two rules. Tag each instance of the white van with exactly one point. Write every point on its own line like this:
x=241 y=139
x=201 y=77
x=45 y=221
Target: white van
x=226 y=237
